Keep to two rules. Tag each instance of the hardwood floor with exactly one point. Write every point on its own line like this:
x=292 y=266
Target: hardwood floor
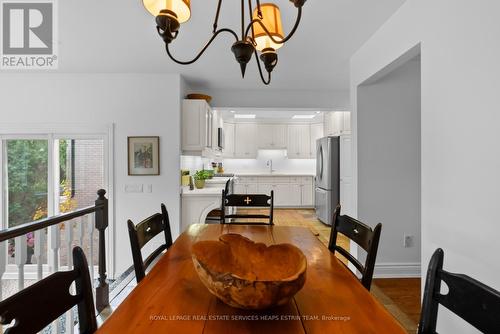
x=405 y=293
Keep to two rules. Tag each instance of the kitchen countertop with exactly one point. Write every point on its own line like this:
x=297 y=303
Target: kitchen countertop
x=274 y=174
x=210 y=191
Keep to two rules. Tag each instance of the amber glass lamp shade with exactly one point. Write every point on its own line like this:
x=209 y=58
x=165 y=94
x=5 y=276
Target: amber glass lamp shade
x=181 y=8
x=271 y=18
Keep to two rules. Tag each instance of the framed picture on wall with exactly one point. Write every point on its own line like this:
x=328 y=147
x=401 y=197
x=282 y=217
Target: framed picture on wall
x=143 y=155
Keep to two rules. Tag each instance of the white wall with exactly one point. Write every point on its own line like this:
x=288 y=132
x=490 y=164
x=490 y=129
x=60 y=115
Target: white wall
x=272 y=98
x=389 y=166
x=138 y=104
x=460 y=128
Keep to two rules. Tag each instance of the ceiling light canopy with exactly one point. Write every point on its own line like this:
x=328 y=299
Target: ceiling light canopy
x=263 y=32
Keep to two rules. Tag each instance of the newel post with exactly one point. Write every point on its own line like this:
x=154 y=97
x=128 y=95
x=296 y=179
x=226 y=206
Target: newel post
x=101 y=223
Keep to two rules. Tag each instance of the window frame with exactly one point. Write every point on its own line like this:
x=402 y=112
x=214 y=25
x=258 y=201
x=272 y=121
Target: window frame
x=52 y=133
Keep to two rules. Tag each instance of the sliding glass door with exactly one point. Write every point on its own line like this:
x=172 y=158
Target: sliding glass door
x=42 y=176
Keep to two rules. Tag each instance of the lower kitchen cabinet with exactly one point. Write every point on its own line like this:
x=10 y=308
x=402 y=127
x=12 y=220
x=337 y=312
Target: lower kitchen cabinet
x=306 y=193
x=294 y=191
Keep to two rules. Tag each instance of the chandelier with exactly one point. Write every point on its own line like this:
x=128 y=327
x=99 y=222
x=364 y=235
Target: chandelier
x=263 y=34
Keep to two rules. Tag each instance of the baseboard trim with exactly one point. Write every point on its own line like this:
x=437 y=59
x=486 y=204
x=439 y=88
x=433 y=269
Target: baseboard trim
x=397 y=270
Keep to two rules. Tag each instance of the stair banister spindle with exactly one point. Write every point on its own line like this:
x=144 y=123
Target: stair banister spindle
x=39 y=243
x=20 y=256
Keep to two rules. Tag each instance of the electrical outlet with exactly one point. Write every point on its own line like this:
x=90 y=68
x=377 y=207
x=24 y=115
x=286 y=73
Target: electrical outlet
x=407 y=241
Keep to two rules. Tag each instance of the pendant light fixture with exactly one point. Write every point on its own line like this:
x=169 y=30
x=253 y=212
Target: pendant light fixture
x=263 y=33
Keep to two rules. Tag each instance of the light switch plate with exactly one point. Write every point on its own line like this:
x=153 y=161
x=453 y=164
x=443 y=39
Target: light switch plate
x=149 y=188
x=133 y=188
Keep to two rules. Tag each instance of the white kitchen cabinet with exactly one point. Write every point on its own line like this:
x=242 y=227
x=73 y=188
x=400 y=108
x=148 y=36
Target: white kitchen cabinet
x=306 y=193
x=346 y=185
x=228 y=151
x=337 y=123
x=272 y=136
x=245 y=143
x=216 y=124
x=279 y=136
x=316 y=133
x=294 y=195
x=265 y=188
x=299 y=141
x=288 y=191
x=252 y=188
x=197 y=127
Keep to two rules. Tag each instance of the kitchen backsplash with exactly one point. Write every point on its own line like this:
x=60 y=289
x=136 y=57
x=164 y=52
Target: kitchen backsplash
x=194 y=163
x=280 y=163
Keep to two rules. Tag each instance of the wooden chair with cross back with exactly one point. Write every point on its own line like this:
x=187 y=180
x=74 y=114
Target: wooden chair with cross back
x=141 y=234
x=216 y=214
x=34 y=308
x=248 y=201
x=362 y=234
x=471 y=300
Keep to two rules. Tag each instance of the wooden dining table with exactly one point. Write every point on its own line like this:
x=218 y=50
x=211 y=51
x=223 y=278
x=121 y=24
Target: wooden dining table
x=172 y=299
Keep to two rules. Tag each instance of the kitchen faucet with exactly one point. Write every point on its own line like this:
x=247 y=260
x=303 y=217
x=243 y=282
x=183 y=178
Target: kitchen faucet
x=269 y=164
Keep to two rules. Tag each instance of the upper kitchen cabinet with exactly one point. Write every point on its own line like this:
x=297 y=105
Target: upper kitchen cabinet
x=317 y=132
x=245 y=140
x=217 y=136
x=228 y=151
x=337 y=123
x=272 y=136
x=197 y=127
x=299 y=141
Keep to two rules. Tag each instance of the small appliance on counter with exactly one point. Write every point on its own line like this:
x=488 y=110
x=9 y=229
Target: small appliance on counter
x=185 y=177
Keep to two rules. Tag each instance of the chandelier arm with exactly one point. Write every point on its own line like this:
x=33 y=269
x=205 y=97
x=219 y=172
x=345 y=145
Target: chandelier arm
x=259 y=11
x=242 y=20
x=287 y=38
x=217 y=16
x=250 y=13
x=202 y=50
x=268 y=81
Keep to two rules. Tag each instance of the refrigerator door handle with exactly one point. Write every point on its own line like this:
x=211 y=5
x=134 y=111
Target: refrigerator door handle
x=320 y=164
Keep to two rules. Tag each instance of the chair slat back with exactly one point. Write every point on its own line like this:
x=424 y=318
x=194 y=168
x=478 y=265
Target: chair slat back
x=251 y=201
x=363 y=235
x=471 y=300
x=247 y=201
x=142 y=233
x=38 y=305
x=149 y=228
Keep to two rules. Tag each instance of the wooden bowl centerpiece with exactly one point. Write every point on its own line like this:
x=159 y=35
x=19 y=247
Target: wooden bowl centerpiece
x=249 y=275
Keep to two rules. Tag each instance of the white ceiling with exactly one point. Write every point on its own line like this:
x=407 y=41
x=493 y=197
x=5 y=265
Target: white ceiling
x=272 y=113
x=120 y=36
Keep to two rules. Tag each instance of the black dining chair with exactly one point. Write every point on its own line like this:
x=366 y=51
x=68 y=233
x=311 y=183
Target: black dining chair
x=35 y=307
x=141 y=234
x=362 y=234
x=471 y=300
x=216 y=214
x=240 y=201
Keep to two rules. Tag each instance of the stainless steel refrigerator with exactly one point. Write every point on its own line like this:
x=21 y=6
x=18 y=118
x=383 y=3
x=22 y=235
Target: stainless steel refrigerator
x=327 y=181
